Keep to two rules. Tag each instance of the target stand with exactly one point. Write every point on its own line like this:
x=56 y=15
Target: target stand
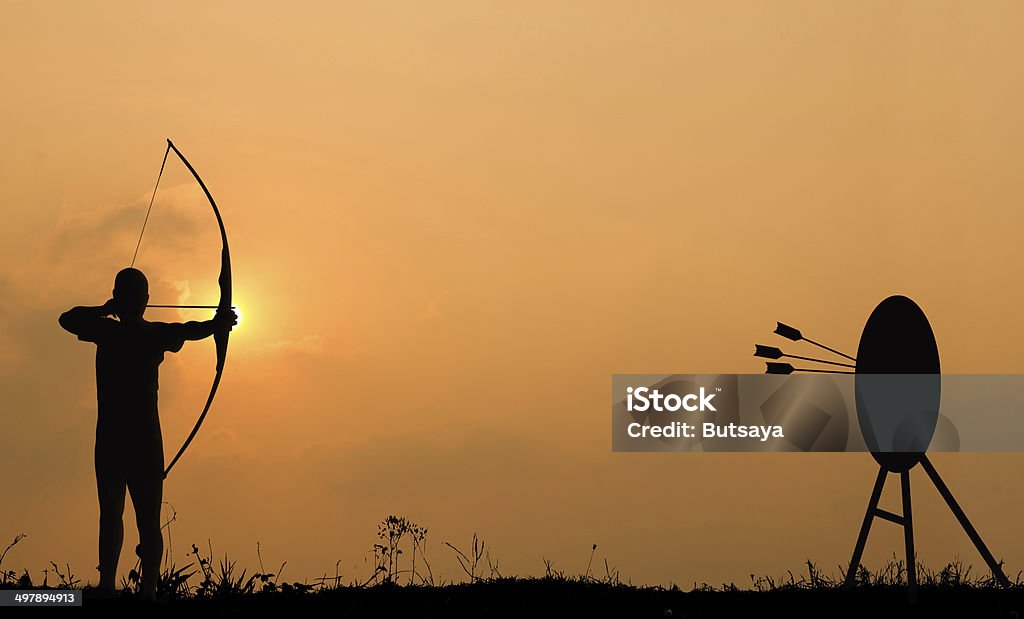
x=907 y=522
x=897 y=387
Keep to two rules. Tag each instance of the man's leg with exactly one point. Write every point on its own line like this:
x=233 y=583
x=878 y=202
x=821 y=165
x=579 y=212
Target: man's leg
x=146 y=488
x=110 y=487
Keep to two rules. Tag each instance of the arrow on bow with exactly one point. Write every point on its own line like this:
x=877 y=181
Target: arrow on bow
x=224 y=280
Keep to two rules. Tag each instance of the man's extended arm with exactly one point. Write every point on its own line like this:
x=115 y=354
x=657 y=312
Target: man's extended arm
x=195 y=330
x=84 y=319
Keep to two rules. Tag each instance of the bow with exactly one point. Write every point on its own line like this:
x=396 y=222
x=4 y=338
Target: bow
x=224 y=280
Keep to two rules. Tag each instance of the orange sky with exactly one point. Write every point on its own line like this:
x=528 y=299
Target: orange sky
x=449 y=226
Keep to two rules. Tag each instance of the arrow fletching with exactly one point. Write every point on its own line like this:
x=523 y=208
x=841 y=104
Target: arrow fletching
x=767 y=352
x=778 y=368
x=788 y=332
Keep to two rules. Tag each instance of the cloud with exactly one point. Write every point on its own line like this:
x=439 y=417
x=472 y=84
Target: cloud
x=112 y=230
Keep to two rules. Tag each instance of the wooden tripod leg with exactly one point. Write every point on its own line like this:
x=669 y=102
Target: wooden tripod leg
x=997 y=571
x=858 y=550
x=908 y=537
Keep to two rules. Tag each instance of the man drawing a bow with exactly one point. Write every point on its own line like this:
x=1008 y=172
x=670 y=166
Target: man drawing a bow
x=129 y=448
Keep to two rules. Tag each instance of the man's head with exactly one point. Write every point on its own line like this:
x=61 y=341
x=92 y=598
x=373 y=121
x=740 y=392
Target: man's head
x=131 y=293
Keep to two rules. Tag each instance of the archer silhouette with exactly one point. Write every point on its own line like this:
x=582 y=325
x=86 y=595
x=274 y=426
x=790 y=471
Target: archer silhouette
x=129 y=447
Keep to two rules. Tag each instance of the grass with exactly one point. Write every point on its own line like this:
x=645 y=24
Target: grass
x=403 y=584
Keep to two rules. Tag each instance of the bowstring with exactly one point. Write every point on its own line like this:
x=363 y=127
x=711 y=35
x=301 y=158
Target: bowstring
x=151 y=199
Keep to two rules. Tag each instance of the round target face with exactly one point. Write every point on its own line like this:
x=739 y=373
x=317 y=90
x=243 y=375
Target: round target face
x=898 y=385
